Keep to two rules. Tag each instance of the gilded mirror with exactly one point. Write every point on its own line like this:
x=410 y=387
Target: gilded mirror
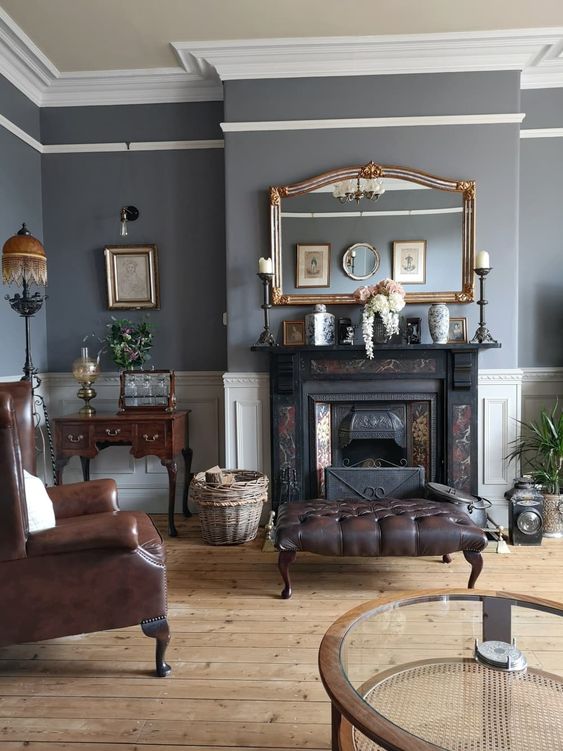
x=388 y=209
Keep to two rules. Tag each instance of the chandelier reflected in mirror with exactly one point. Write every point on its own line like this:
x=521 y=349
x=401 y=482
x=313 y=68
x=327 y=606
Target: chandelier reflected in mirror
x=354 y=190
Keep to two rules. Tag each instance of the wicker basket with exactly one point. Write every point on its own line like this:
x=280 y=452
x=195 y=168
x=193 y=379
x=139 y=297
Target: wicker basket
x=230 y=514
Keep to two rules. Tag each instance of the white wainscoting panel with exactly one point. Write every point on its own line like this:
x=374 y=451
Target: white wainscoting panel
x=247 y=421
x=143 y=483
x=499 y=411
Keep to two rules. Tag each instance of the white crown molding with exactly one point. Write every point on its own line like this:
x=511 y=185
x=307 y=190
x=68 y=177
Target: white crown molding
x=370 y=55
x=373 y=122
x=115 y=87
x=27 y=68
x=535 y=51
x=542 y=133
x=22 y=62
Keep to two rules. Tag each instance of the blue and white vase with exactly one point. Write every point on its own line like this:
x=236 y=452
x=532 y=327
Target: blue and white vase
x=320 y=327
x=439 y=322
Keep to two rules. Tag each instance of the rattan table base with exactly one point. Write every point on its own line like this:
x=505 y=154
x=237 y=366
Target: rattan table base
x=460 y=705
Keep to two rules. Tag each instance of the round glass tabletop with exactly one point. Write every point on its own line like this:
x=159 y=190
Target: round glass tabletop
x=457 y=670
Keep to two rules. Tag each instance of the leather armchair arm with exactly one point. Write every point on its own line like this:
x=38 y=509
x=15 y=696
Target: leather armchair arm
x=114 y=530
x=81 y=498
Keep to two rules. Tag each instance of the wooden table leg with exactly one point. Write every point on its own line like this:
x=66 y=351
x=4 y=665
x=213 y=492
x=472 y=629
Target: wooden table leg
x=187 y=453
x=85 y=461
x=172 y=469
x=336 y=720
x=60 y=464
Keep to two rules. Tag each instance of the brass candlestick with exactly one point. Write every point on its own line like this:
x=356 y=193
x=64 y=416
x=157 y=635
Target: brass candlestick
x=266 y=337
x=482 y=335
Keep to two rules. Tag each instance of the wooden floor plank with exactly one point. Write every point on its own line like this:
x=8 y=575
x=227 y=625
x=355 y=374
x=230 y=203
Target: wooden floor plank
x=244 y=661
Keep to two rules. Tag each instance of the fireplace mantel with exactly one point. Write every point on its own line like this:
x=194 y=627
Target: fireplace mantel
x=303 y=379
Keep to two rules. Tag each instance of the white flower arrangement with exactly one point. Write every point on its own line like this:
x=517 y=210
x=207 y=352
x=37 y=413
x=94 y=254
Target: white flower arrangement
x=386 y=299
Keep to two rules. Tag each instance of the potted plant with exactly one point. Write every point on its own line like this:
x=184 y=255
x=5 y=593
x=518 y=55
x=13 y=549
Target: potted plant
x=382 y=303
x=540 y=447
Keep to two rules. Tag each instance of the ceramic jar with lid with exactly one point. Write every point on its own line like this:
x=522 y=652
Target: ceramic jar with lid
x=320 y=327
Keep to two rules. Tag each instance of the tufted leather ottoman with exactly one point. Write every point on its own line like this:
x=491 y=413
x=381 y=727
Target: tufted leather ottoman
x=410 y=527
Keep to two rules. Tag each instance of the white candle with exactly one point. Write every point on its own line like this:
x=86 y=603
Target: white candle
x=265 y=266
x=482 y=261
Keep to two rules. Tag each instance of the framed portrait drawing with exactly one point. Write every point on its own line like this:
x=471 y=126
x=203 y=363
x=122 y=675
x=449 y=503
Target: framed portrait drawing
x=312 y=266
x=293 y=333
x=457 y=332
x=132 y=277
x=409 y=261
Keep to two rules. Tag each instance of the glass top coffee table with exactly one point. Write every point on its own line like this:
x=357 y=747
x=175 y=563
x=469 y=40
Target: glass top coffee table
x=460 y=670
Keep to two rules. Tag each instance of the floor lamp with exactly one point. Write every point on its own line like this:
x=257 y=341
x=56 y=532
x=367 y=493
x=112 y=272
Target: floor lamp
x=24 y=263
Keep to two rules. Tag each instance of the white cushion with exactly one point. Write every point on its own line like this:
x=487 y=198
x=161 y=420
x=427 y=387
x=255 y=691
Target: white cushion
x=40 y=512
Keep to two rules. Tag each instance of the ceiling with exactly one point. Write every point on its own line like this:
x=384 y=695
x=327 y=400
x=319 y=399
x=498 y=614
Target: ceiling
x=95 y=35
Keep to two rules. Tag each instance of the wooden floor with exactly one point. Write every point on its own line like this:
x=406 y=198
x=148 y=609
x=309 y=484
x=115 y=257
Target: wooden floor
x=244 y=661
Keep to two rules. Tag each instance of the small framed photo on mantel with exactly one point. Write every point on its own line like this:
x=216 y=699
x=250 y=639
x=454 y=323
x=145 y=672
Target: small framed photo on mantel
x=409 y=261
x=457 y=332
x=132 y=277
x=312 y=265
x=293 y=333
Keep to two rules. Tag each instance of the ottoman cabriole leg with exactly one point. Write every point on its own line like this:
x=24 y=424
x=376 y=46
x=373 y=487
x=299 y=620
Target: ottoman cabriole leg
x=475 y=558
x=285 y=559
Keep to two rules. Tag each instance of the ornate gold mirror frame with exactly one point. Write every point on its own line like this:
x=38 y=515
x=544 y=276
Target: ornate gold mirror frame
x=370 y=171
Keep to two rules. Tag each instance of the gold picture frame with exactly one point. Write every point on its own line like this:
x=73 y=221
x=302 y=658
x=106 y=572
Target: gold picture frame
x=132 y=277
x=293 y=333
x=457 y=331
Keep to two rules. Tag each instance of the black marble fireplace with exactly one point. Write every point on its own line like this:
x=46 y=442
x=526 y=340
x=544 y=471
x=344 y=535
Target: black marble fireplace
x=414 y=405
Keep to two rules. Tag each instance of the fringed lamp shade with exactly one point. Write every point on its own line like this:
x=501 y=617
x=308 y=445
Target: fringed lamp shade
x=24 y=259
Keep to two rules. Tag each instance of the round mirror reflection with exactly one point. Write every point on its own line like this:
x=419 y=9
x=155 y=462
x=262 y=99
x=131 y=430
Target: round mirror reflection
x=360 y=261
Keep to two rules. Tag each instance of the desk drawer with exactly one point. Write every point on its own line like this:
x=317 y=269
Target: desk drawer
x=151 y=435
x=113 y=432
x=75 y=436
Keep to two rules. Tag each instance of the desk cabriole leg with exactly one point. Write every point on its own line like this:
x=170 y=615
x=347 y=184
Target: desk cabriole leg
x=172 y=469
x=85 y=462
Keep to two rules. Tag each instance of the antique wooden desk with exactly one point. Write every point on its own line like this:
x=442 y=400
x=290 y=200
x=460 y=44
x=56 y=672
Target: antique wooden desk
x=160 y=434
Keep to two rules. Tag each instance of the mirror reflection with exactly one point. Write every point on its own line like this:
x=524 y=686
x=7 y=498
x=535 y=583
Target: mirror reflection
x=360 y=261
x=395 y=222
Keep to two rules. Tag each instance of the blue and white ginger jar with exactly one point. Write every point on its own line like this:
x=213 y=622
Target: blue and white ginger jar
x=320 y=327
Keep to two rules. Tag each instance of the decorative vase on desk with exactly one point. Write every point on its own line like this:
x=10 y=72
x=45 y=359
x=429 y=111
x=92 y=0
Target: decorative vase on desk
x=439 y=322
x=320 y=327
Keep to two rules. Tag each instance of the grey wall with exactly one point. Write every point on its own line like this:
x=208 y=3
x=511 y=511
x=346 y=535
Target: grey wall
x=180 y=196
x=487 y=153
x=540 y=291
x=20 y=201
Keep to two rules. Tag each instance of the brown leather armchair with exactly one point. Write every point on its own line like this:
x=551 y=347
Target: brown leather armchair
x=98 y=568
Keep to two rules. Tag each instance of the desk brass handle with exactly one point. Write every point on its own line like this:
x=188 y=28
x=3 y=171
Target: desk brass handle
x=111 y=432
x=75 y=438
x=150 y=437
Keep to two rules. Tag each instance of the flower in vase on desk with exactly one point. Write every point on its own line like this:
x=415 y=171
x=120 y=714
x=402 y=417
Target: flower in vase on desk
x=386 y=299
x=129 y=343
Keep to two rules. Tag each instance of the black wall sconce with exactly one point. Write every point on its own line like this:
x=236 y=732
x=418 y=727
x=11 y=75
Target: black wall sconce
x=127 y=214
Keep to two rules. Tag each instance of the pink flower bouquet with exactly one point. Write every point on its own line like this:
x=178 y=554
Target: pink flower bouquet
x=386 y=299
